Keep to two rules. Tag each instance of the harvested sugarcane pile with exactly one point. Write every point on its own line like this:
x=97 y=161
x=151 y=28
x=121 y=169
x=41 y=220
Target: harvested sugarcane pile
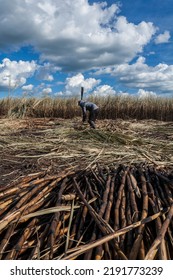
x=122 y=212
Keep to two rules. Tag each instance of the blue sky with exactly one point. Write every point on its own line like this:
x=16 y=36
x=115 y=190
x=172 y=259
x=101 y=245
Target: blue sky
x=53 y=47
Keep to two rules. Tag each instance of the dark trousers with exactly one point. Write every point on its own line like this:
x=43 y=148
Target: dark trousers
x=92 y=117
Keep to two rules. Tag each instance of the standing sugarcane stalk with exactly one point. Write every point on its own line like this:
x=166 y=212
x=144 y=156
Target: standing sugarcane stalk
x=134 y=184
x=169 y=194
x=161 y=192
x=141 y=254
x=88 y=254
x=118 y=200
x=133 y=203
x=110 y=201
x=69 y=227
x=99 y=250
x=55 y=221
x=82 y=219
x=162 y=251
x=123 y=219
x=91 y=191
x=137 y=243
x=129 y=234
x=98 y=179
x=108 y=212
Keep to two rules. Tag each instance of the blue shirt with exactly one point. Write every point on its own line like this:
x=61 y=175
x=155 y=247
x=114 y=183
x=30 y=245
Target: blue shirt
x=87 y=106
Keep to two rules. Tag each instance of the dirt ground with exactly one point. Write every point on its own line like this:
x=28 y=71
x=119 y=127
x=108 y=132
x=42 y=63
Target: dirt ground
x=33 y=145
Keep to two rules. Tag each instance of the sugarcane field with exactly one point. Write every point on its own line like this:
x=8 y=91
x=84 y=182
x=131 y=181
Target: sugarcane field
x=70 y=192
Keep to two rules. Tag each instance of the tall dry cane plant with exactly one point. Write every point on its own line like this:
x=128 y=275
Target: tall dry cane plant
x=111 y=107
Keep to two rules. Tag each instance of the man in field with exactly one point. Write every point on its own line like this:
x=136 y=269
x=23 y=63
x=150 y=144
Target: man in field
x=93 y=112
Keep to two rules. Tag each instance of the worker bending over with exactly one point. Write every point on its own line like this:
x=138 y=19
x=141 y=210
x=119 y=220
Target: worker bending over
x=93 y=112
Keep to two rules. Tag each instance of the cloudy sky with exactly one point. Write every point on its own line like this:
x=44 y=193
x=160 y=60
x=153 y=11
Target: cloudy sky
x=53 y=47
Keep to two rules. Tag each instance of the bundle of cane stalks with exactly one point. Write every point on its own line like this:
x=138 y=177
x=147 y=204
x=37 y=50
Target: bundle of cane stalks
x=103 y=212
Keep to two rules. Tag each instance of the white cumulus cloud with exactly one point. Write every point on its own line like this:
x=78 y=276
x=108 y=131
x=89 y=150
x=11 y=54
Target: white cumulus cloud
x=141 y=76
x=104 y=90
x=74 y=35
x=74 y=84
x=14 y=74
x=46 y=91
x=28 y=87
x=146 y=94
x=163 y=38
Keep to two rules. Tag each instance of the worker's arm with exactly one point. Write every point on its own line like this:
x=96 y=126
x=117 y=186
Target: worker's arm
x=84 y=113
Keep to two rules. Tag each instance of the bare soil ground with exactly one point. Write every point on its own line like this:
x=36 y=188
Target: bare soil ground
x=32 y=145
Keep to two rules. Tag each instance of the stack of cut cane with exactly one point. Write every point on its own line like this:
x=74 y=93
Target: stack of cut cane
x=102 y=213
